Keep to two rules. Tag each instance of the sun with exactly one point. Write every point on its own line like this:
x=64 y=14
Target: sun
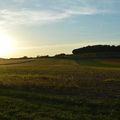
x=6 y=46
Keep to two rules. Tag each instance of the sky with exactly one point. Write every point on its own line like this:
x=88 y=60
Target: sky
x=48 y=27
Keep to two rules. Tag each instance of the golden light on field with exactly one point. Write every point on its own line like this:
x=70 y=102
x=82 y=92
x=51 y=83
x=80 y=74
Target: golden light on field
x=6 y=46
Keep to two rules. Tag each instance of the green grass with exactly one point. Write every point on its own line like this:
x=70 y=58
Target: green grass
x=17 y=105
x=113 y=63
x=60 y=89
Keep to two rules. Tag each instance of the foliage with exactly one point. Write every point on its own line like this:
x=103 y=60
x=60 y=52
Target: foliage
x=106 y=51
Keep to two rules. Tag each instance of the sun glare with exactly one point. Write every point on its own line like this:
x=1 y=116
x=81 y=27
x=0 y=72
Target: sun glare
x=6 y=46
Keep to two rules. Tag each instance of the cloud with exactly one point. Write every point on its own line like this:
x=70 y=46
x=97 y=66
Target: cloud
x=35 y=17
x=16 y=12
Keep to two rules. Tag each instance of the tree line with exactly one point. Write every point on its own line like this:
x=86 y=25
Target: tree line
x=96 y=49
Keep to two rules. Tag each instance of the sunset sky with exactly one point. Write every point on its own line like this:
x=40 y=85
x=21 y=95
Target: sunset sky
x=41 y=27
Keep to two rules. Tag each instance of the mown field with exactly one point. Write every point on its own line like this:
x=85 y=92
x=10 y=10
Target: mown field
x=60 y=89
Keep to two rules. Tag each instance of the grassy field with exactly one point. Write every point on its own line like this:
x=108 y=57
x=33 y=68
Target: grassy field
x=60 y=89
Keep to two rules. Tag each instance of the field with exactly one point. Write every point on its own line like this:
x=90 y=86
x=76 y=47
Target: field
x=60 y=89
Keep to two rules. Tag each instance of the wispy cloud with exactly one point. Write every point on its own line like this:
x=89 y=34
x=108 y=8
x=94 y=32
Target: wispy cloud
x=18 y=12
x=34 y=16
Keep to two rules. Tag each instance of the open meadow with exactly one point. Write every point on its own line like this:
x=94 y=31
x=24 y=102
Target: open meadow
x=59 y=59
x=60 y=89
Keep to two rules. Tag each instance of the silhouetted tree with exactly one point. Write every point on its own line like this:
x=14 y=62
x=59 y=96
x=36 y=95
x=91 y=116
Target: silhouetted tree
x=46 y=56
x=24 y=57
x=97 y=49
x=60 y=55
